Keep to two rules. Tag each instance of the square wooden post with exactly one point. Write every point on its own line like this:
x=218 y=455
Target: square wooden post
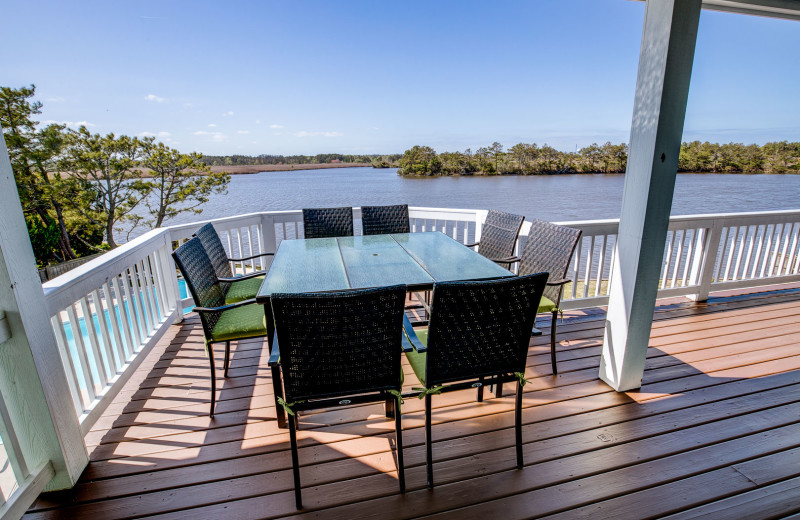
x=32 y=380
x=662 y=87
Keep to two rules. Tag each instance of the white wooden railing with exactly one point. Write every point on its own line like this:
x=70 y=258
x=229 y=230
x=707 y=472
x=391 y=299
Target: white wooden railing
x=20 y=482
x=108 y=313
x=135 y=290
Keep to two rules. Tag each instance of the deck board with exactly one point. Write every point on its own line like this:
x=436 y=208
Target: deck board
x=714 y=430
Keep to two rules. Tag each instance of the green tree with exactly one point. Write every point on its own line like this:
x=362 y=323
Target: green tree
x=180 y=182
x=35 y=158
x=105 y=167
x=416 y=161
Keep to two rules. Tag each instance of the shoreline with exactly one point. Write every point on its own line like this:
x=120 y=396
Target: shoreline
x=247 y=169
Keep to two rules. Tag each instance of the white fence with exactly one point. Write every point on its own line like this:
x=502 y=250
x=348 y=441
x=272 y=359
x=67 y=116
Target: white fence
x=108 y=313
x=122 y=302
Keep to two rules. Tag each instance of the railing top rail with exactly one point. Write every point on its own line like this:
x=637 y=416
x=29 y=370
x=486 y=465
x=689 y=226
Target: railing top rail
x=234 y=218
x=61 y=290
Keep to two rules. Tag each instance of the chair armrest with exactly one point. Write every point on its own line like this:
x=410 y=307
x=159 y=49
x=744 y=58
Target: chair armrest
x=243 y=277
x=473 y=245
x=410 y=339
x=225 y=307
x=275 y=353
x=558 y=282
x=250 y=257
x=506 y=260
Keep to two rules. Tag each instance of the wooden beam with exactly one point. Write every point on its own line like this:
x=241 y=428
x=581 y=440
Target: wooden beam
x=662 y=88
x=32 y=380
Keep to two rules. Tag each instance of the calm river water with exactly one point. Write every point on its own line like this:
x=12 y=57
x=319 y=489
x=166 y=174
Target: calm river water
x=555 y=198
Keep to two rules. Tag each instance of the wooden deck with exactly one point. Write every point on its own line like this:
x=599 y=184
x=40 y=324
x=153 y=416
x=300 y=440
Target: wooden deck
x=713 y=433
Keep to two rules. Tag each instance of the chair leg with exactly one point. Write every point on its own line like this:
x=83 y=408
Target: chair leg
x=227 y=356
x=277 y=390
x=553 y=343
x=480 y=391
x=499 y=390
x=518 y=425
x=298 y=499
x=428 y=440
x=210 y=353
x=389 y=407
x=398 y=431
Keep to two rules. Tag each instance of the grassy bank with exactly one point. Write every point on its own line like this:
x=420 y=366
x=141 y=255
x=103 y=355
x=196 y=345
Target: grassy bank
x=258 y=168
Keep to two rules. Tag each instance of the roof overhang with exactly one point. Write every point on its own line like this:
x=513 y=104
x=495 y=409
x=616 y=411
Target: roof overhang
x=786 y=9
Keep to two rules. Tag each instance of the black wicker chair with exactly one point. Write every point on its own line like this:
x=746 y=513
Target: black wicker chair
x=384 y=220
x=499 y=236
x=327 y=222
x=479 y=334
x=336 y=349
x=236 y=288
x=550 y=248
x=221 y=322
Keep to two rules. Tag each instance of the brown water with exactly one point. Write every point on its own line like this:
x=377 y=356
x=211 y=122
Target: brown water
x=555 y=198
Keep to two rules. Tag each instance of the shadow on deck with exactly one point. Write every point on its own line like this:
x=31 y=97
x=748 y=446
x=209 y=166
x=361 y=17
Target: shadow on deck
x=714 y=432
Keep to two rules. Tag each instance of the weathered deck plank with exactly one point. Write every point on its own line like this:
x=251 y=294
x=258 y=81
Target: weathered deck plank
x=714 y=430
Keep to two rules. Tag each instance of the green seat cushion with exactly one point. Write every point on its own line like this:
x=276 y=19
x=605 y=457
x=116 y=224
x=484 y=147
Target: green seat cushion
x=546 y=305
x=242 y=322
x=243 y=289
x=417 y=359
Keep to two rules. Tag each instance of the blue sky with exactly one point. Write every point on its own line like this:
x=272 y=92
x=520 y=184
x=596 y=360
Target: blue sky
x=378 y=77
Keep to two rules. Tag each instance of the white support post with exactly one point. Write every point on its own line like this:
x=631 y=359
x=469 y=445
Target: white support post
x=32 y=379
x=268 y=239
x=662 y=87
x=703 y=268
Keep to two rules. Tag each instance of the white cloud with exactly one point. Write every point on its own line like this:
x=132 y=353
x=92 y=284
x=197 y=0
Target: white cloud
x=153 y=97
x=188 y=105
x=146 y=134
x=215 y=136
x=303 y=133
x=212 y=125
x=243 y=132
x=227 y=114
x=164 y=135
x=258 y=121
x=276 y=126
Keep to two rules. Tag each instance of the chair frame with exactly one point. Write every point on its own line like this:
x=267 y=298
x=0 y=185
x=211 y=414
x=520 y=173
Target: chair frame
x=282 y=307
x=497 y=223
x=479 y=380
x=207 y=314
x=550 y=247
x=219 y=257
x=327 y=222
x=384 y=220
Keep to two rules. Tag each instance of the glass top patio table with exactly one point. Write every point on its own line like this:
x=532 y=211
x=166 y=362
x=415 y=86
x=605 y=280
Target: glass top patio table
x=417 y=260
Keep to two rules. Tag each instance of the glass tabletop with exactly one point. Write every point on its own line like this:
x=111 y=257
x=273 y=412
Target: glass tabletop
x=417 y=260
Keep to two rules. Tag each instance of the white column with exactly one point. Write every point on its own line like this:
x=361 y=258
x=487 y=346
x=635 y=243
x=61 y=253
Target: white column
x=32 y=380
x=662 y=87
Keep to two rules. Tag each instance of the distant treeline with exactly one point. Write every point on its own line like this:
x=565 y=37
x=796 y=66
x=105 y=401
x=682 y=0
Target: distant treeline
x=532 y=159
x=379 y=161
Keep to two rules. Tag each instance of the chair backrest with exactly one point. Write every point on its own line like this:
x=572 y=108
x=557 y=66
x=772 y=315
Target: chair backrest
x=327 y=222
x=481 y=328
x=549 y=248
x=197 y=270
x=499 y=234
x=216 y=252
x=335 y=344
x=383 y=220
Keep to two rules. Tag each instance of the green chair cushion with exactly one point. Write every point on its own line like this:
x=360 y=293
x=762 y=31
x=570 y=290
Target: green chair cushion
x=417 y=359
x=243 y=289
x=546 y=305
x=242 y=322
